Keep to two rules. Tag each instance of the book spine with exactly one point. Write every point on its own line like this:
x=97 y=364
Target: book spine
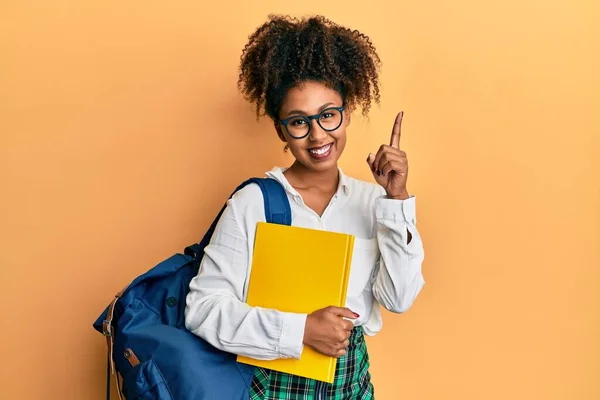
x=347 y=266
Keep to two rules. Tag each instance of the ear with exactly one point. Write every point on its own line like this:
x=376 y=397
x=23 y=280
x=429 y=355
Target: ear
x=347 y=117
x=279 y=131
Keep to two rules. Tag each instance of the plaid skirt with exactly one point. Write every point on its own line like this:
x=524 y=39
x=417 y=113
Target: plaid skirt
x=352 y=379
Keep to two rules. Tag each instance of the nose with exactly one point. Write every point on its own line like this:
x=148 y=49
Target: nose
x=316 y=132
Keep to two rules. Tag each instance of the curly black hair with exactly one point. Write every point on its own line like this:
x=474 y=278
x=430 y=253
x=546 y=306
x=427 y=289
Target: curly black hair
x=285 y=51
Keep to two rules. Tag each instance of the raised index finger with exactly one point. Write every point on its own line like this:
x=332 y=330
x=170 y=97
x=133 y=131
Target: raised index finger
x=396 y=131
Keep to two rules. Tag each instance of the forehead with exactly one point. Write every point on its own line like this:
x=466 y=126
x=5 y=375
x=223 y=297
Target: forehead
x=309 y=97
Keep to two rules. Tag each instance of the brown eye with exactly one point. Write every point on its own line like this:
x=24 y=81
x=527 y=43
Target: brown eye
x=330 y=119
x=297 y=122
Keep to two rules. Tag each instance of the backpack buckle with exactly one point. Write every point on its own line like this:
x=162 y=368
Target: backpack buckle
x=107 y=328
x=194 y=251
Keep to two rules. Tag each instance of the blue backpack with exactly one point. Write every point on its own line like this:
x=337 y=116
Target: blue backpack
x=148 y=343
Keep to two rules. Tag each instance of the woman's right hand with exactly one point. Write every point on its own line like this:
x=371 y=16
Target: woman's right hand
x=327 y=332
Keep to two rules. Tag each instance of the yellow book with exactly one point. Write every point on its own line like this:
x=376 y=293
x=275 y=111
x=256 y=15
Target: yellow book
x=299 y=270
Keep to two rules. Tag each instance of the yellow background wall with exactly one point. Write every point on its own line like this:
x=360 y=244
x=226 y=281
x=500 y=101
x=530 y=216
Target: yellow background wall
x=121 y=134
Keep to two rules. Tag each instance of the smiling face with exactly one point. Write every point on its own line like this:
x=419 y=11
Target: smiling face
x=321 y=149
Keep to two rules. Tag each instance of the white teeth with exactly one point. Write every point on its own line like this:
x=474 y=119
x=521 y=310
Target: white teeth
x=321 y=150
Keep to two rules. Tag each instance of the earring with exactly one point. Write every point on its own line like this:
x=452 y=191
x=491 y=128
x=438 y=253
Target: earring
x=286 y=148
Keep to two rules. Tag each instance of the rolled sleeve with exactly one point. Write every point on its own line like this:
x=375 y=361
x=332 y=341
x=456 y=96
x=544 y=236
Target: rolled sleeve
x=292 y=335
x=399 y=278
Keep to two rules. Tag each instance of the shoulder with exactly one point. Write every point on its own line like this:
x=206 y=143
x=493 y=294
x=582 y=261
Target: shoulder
x=248 y=197
x=248 y=203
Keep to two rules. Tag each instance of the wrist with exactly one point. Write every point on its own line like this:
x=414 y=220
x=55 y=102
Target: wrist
x=400 y=196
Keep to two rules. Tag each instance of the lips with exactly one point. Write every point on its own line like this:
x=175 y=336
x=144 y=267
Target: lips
x=320 y=152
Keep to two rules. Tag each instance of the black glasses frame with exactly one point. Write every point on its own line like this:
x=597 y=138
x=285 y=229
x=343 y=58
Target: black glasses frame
x=308 y=119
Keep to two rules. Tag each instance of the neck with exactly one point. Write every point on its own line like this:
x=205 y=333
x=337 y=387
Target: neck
x=300 y=176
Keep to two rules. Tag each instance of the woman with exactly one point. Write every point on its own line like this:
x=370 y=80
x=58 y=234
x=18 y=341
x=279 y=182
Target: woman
x=308 y=75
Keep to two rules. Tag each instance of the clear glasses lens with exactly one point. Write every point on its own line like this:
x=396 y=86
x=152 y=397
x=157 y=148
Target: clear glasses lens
x=329 y=120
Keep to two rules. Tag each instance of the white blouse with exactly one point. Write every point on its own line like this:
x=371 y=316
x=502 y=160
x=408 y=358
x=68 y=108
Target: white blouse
x=386 y=270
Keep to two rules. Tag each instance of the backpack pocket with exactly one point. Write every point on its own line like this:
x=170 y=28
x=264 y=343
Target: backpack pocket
x=145 y=382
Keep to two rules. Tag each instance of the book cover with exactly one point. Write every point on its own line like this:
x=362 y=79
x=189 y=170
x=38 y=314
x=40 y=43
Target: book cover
x=299 y=270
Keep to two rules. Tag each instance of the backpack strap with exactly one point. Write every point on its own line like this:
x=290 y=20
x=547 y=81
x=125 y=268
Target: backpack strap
x=277 y=206
x=277 y=210
x=107 y=331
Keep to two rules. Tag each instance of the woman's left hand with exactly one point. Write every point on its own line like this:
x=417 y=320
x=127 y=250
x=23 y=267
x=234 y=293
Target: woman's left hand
x=390 y=165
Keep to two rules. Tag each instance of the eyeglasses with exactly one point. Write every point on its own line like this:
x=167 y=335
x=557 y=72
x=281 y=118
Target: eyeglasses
x=299 y=126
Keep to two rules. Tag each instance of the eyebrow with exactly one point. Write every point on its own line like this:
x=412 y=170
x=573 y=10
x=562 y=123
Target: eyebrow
x=295 y=112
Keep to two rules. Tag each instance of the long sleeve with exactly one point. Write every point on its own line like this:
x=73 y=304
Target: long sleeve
x=215 y=307
x=398 y=278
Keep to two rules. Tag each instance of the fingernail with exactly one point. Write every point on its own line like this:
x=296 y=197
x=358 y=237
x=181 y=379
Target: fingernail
x=356 y=315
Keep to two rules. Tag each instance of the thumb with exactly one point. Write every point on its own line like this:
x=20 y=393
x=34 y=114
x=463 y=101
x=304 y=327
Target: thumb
x=370 y=161
x=343 y=312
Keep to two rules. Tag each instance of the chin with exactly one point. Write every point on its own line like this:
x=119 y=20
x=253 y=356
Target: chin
x=322 y=164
